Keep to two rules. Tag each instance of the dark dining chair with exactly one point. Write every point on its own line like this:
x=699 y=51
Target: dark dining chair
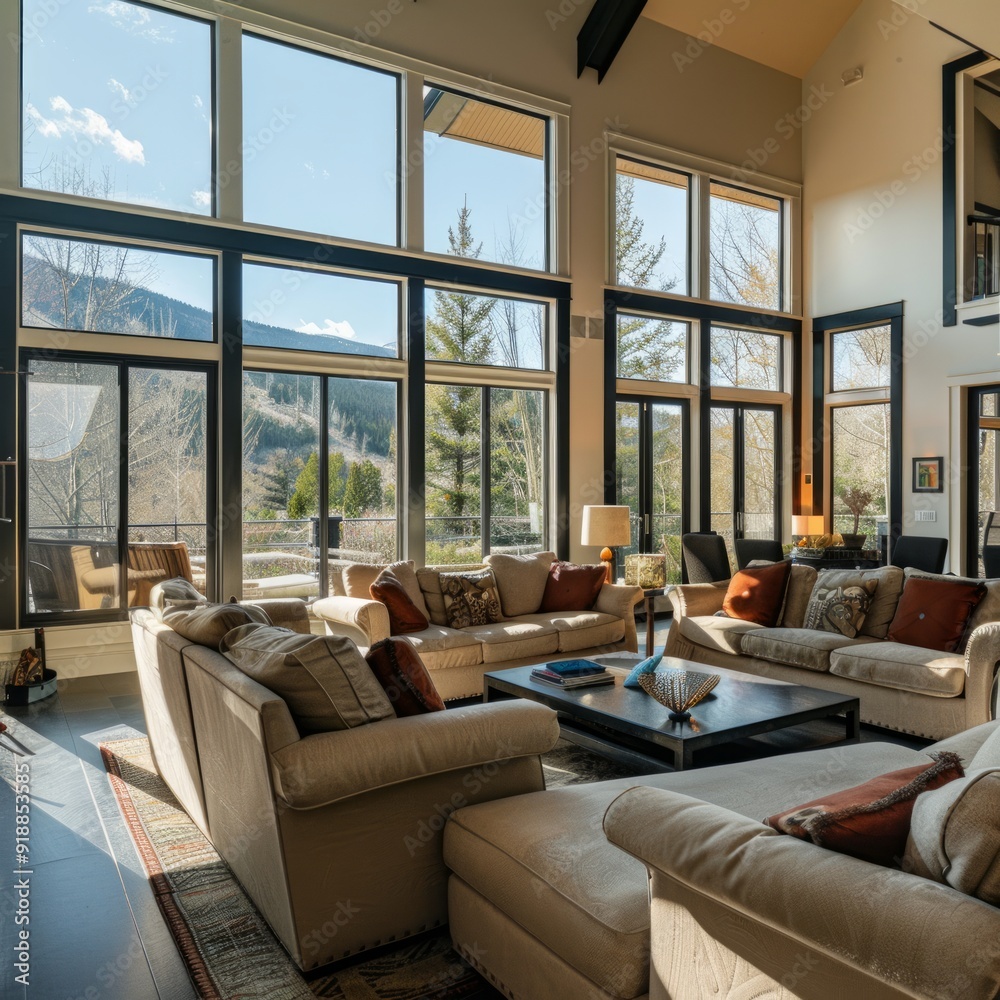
x=920 y=552
x=705 y=557
x=749 y=549
x=991 y=546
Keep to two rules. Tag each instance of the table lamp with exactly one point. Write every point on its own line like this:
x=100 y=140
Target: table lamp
x=607 y=526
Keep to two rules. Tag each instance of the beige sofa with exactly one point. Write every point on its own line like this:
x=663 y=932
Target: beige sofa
x=906 y=688
x=336 y=836
x=458 y=658
x=689 y=896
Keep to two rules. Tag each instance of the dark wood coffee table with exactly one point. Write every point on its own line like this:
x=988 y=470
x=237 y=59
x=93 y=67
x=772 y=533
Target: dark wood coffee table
x=630 y=726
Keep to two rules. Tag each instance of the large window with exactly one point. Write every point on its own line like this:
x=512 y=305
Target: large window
x=746 y=359
x=860 y=461
x=653 y=348
x=860 y=359
x=99 y=539
x=118 y=104
x=485 y=180
x=320 y=143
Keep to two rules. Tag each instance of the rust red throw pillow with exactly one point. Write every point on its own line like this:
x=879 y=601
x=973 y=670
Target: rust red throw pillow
x=756 y=595
x=399 y=670
x=571 y=587
x=934 y=613
x=870 y=821
x=404 y=616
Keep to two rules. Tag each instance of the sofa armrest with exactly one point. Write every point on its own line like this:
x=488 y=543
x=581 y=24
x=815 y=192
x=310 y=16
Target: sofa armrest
x=353 y=615
x=690 y=600
x=982 y=653
x=966 y=744
x=327 y=767
x=619 y=601
x=912 y=934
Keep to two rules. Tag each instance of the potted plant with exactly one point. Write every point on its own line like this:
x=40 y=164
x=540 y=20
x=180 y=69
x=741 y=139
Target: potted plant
x=856 y=500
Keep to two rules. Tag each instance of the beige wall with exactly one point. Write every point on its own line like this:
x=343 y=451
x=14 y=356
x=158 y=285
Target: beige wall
x=873 y=229
x=716 y=104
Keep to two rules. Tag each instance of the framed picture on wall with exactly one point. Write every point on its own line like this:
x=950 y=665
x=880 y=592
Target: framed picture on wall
x=927 y=475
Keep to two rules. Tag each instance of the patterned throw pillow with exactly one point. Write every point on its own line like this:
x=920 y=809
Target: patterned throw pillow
x=841 y=609
x=470 y=598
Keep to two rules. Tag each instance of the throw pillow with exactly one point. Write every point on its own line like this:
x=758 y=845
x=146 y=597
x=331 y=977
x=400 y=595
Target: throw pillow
x=404 y=615
x=842 y=608
x=934 y=613
x=572 y=588
x=648 y=666
x=520 y=580
x=207 y=624
x=470 y=598
x=756 y=595
x=870 y=821
x=987 y=610
x=955 y=836
x=173 y=593
x=323 y=679
x=403 y=677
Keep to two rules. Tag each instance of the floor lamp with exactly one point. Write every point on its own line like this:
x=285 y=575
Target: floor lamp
x=607 y=526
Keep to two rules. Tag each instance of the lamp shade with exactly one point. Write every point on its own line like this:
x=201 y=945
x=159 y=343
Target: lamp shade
x=607 y=526
x=808 y=524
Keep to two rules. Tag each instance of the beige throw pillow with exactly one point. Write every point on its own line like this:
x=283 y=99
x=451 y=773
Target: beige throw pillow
x=207 y=624
x=323 y=679
x=520 y=580
x=955 y=835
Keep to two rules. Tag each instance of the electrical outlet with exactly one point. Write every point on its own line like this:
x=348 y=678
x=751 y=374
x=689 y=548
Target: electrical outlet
x=925 y=515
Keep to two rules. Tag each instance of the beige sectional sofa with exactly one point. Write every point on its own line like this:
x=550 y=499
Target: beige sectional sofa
x=458 y=658
x=669 y=887
x=907 y=688
x=331 y=823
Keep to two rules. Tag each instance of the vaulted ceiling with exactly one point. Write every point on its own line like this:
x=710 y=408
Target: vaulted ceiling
x=788 y=35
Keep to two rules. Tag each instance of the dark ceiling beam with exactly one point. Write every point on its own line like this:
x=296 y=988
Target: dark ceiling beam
x=604 y=32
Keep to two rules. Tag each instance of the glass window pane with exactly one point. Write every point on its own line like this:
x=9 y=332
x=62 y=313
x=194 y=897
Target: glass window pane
x=320 y=141
x=860 y=468
x=861 y=359
x=517 y=474
x=69 y=284
x=745 y=247
x=653 y=349
x=118 y=104
x=281 y=427
x=651 y=227
x=723 y=473
x=454 y=417
x=485 y=330
x=167 y=479
x=668 y=484
x=305 y=310
x=362 y=470
x=73 y=428
x=484 y=180
x=627 y=438
x=745 y=359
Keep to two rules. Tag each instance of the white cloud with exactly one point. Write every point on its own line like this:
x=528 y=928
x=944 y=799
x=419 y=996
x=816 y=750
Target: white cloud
x=198 y=102
x=330 y=327
x=85 y=123
x=135 y=20
x=121 y=90
x=310 y=168
x=201 y=198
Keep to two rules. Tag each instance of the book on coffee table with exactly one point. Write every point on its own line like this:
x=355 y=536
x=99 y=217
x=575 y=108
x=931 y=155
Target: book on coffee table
x=572 y=673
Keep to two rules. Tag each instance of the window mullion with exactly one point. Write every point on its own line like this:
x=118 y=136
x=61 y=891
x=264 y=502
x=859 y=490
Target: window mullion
x=228 y=152
x=123 y=506
x=412 y=162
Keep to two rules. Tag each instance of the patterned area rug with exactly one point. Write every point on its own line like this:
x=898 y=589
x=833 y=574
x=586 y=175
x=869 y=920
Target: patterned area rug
x=229 y=949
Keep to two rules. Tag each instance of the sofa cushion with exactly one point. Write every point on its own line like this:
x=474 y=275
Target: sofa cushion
x=757 y=595
x=470 y=598
x=515 y=640
x=883 y=607
x=987 y=610
x=870 y=821
x=440 y=647
x=935 y=613
x=323 y=679
x=801 y=581
x=403 y=677
x=714 y=632
x=404 y=615
x=842 y=608
x=520 y=580
x=955 y=835
x=582 y=629
x=207 y=624
x=572 y=588
x=796 y=647
x=905 y=668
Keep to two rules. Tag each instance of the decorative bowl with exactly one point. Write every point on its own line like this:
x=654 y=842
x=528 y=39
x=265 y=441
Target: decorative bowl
x=678 y=690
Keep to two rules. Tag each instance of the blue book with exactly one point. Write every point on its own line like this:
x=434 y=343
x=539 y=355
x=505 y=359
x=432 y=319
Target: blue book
x=573 y=668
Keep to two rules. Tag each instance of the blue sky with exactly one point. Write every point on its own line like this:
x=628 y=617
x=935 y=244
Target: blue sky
x=663 y=210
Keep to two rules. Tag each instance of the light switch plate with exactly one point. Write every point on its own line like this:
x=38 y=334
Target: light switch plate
x=925 y=515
